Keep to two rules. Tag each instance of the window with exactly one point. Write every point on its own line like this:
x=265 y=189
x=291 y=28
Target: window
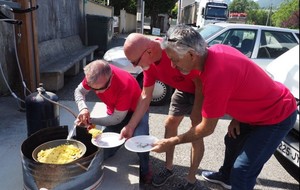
x=275 y=43
x=241 y=39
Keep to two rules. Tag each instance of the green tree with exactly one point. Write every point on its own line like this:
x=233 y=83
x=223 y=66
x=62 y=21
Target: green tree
x=287 y=14
x=128 y=5
x=255 y=15
x=152 y=8
x=155 y=7
x=174 y=11
x=242 y=6
x=258 y=17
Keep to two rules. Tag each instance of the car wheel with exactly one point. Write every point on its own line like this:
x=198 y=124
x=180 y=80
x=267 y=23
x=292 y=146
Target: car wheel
x=288 y=166
x=161 y=94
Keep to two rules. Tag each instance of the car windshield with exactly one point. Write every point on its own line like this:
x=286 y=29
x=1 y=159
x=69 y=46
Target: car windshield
x=209 y=30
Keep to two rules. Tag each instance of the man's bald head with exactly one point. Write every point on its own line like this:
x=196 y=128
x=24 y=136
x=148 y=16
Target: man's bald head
x=135 y=45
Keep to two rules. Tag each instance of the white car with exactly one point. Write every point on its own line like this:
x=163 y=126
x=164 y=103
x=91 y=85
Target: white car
x=285 y=69
x=260 y=43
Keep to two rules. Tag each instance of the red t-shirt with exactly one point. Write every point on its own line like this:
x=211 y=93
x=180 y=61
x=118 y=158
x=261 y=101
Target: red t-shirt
x=164 y=72
x=235 y=85
x=122 y=94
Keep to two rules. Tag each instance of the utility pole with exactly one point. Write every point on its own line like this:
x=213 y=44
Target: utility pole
x=269 y=16
x=140 y=16
x=27 y=45
x=179 y=12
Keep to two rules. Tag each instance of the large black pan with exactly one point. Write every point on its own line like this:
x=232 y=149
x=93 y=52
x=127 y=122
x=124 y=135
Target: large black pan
x=55 y=143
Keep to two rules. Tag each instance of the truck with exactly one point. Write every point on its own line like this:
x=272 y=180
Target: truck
x=204 y=12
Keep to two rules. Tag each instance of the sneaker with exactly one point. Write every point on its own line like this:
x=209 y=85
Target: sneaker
x=190 y=186
x=147 y=178
x=162 y=177
x=216 y=177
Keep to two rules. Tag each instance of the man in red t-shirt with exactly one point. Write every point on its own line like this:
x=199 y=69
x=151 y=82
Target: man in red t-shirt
x=120 y=92
x=147 y=53
x=232 y=84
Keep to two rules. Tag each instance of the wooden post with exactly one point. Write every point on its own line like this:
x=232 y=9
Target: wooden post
x=27 y=45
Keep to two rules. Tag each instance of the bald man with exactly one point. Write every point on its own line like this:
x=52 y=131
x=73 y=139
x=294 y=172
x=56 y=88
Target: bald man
x=147 y=53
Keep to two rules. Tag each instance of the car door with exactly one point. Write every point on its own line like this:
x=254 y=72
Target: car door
x=272 y=44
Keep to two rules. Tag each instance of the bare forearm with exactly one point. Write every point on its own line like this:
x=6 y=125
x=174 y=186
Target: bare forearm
x=196 y=116
x=141 y=109
x=203 y=129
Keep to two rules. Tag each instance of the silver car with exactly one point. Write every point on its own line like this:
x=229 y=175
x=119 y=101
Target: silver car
x=285 y=69
x=260 y=43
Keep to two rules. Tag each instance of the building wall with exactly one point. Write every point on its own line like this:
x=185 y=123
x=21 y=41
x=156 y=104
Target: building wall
x=54 y=19
x=96 y=9
x=58 y=19
x=127 y=22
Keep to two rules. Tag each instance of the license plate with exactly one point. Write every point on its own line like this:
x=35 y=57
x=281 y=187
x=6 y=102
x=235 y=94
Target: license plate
x=289 y=152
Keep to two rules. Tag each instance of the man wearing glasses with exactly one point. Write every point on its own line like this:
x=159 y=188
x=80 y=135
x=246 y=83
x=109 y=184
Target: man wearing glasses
x=234 y=85
x=156 y=65
x=120 y=92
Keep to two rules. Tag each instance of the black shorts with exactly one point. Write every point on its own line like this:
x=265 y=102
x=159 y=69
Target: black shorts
x=181 y=103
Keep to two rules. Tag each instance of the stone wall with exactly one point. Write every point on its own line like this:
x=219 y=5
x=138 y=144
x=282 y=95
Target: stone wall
x=7 y=55
x=54 y=19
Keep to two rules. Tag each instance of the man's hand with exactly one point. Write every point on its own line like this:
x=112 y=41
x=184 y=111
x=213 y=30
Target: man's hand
x=163 y=145
x=83 y=118
x=126 y=132
x=234 y=128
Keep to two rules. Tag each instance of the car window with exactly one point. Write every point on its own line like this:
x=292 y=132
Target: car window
x=209 y=30
x=297 y=34
x=241 y=39
x=275 y=43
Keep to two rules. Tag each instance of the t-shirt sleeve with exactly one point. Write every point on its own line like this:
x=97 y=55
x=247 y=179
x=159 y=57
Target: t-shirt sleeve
x=149 y=77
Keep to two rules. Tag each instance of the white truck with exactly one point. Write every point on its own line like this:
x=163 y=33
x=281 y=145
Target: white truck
x=204 y=12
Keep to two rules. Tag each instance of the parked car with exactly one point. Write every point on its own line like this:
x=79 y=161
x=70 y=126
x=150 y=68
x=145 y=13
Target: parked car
x=260 y=43
x=161 y=93
x=285 y=69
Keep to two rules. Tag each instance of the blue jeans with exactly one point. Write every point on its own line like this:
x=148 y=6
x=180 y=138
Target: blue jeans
x=246 y=155
x=141 y=129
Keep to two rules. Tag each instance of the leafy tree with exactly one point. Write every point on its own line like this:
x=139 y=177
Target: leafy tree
x=128 y=5
x=258 y=17
x=152 y=8
x=242 y=6
x=255 y=15
x=287 y=14
x=292 y=22
x=174 y=11
x=155 y=7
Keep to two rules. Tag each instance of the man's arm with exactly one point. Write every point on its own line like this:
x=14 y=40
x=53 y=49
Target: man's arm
x=196 y=115
x=205 y=128
x=234 y=128
x=142 y=107
x=113 y=119
x=84 y=114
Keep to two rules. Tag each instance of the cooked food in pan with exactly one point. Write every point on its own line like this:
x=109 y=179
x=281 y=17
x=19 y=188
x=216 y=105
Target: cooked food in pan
x=61 y=154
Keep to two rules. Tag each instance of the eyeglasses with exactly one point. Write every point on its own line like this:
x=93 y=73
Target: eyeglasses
x=135 y=63
x=105 y=86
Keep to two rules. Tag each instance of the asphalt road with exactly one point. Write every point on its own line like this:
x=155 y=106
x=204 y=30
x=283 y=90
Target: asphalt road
x=273 y=175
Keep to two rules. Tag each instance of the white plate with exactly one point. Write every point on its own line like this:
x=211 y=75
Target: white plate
x=108 y=140
x=142 y=143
